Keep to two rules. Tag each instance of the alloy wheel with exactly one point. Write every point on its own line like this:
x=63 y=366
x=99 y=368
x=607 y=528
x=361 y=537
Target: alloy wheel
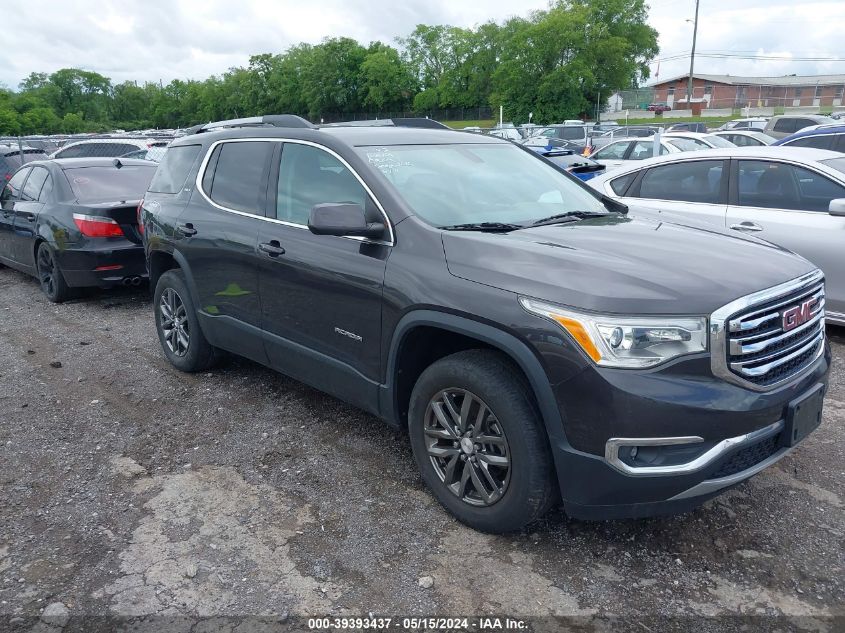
x=47 y=271
x=174 y=322
x=467 y=447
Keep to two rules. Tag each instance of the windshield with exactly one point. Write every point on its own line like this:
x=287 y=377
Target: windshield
x=108 y=184
x=836 y=163
x=446 y=185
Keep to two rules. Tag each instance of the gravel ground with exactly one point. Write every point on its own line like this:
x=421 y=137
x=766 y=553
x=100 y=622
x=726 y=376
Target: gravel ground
x=138 y=498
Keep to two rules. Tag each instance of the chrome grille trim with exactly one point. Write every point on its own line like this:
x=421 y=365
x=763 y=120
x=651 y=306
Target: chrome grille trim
x=741 y=355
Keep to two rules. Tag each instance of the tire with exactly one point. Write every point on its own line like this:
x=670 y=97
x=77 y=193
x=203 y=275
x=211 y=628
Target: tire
x=515 y=495
x=183 y=344
x=50 y=276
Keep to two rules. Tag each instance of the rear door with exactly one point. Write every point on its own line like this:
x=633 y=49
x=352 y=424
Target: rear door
x=217 y=233
x=788 y=205
x=27 y=210
x=694 y=189
x=9 y=197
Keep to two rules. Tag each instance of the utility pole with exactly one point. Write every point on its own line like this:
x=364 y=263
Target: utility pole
x=692 y=57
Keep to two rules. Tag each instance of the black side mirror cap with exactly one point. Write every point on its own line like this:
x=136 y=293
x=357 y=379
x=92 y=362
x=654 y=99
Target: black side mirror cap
x=343 y=220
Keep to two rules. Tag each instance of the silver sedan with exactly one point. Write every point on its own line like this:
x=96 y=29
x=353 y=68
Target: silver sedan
x=794 y=197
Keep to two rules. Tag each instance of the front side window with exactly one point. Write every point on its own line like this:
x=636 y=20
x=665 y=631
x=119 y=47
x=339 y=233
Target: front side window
x=781 y=186
x=174 y=168
x=238 y=180
x=464 y=183
x=694 y=181
x=33 y=184
x=309 y=176
x=614 y=151
x=12 y=190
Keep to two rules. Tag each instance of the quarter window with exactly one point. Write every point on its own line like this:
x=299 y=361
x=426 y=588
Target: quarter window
x=619 y=185
x=173 y=171
x=693 y=181
x=309 y=176
x=780 y=186
x=239 y=178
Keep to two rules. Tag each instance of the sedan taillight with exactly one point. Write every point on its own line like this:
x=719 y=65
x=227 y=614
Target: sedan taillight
x=97 y=226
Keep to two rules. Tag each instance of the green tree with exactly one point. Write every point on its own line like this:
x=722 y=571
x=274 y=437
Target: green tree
x=330 y=78
x=73 y=123
x=386 y=80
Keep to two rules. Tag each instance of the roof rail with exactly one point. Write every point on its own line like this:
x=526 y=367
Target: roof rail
x=271 y=120
x=419 y=122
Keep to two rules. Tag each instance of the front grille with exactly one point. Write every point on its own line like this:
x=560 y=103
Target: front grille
x=758 y=348
x=746 y=458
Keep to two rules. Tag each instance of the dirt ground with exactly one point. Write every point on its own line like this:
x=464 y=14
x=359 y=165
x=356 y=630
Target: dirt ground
x=138 y=498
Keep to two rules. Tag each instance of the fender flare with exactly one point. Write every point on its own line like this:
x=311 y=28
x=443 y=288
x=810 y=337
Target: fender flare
x=505 y=342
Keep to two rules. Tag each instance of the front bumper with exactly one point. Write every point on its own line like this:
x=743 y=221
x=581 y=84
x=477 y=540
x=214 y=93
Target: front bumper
x=108 y=264
x=722 y=434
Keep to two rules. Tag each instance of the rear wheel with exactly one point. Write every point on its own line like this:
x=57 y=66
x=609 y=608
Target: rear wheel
x=50 y=275
x=177 y=325
x=479 y=442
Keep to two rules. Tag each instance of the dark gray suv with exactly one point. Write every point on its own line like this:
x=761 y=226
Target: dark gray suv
x=536 y=342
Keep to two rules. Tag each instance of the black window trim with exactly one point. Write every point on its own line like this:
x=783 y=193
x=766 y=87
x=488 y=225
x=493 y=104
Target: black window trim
x=806 y=136
x=201 y=174
x=28 y=169
x=733 y=192
x=633 y=190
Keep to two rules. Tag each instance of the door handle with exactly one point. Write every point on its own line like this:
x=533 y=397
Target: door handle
x=747 y=226
x=187 y=230
x=272 y=248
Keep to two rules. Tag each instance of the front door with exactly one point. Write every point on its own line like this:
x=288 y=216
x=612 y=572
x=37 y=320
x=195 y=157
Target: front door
x=788 y=205
x=321 y=296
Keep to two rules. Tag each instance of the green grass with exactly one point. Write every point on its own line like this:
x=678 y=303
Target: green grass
x=709 y=120
x=457 y=125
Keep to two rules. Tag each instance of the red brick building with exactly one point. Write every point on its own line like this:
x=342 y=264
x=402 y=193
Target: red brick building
x=728 y=91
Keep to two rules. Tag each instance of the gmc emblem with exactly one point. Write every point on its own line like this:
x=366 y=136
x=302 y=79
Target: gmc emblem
x=797 y=315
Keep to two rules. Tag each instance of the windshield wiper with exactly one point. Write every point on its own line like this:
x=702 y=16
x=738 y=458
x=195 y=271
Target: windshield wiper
x=483 y=226
x=569 y=216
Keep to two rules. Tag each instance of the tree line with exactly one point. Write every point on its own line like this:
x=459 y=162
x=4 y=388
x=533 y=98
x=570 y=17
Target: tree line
x=557 y=63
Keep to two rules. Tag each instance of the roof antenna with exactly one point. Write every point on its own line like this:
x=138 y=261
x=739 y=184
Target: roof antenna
x=116 y=162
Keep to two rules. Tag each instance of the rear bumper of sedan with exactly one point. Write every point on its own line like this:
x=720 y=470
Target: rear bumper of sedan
x=111 y=263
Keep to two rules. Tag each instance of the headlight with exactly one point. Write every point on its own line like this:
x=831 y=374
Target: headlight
x=627 y=342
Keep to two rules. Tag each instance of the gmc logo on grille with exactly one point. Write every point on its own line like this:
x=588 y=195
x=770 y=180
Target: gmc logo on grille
x=797 y=315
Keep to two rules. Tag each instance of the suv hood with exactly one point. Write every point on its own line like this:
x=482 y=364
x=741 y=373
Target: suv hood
x=623 y=265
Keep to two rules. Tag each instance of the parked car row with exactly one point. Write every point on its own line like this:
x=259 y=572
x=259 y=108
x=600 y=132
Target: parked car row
x=538 y=343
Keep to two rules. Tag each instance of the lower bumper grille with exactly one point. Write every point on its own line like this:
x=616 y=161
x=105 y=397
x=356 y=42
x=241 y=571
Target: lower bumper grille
x=747 y=457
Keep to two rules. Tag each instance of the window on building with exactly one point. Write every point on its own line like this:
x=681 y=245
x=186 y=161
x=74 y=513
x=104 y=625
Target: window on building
x=819 y=90
x=839 y=91
x=708 y=90
x=670 y=93
x=798 y=92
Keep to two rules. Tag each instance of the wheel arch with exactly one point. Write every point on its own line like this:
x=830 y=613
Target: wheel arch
x=397 y=393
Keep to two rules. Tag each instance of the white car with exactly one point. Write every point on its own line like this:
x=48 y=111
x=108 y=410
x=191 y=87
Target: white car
x=794 y=197
x=749 y=123
x=631 y=150
x=746 y=138
x=692 y=141
x=105 y=147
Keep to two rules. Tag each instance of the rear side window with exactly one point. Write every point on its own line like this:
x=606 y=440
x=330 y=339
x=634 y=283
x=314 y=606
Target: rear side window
x=238 y=181
x=97 y=150
x=821 y=141
x=571 y=133
x=698 y=181
x=33 y=184
x=614 y=151
x=174 y=168
x=110 y=184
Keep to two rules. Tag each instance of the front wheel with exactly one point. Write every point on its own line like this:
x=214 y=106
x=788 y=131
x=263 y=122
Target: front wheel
x=177 y=325
x=480 y=443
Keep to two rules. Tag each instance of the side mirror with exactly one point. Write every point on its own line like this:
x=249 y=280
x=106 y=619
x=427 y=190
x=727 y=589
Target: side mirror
x=837 y=207
x=344 y=220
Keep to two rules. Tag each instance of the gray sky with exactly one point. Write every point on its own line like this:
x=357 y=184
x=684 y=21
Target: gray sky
x=160 y=39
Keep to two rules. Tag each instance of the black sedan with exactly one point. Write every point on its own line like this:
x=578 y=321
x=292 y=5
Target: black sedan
x=73 y=223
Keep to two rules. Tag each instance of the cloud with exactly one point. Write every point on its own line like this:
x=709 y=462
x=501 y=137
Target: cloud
x=162 y=40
